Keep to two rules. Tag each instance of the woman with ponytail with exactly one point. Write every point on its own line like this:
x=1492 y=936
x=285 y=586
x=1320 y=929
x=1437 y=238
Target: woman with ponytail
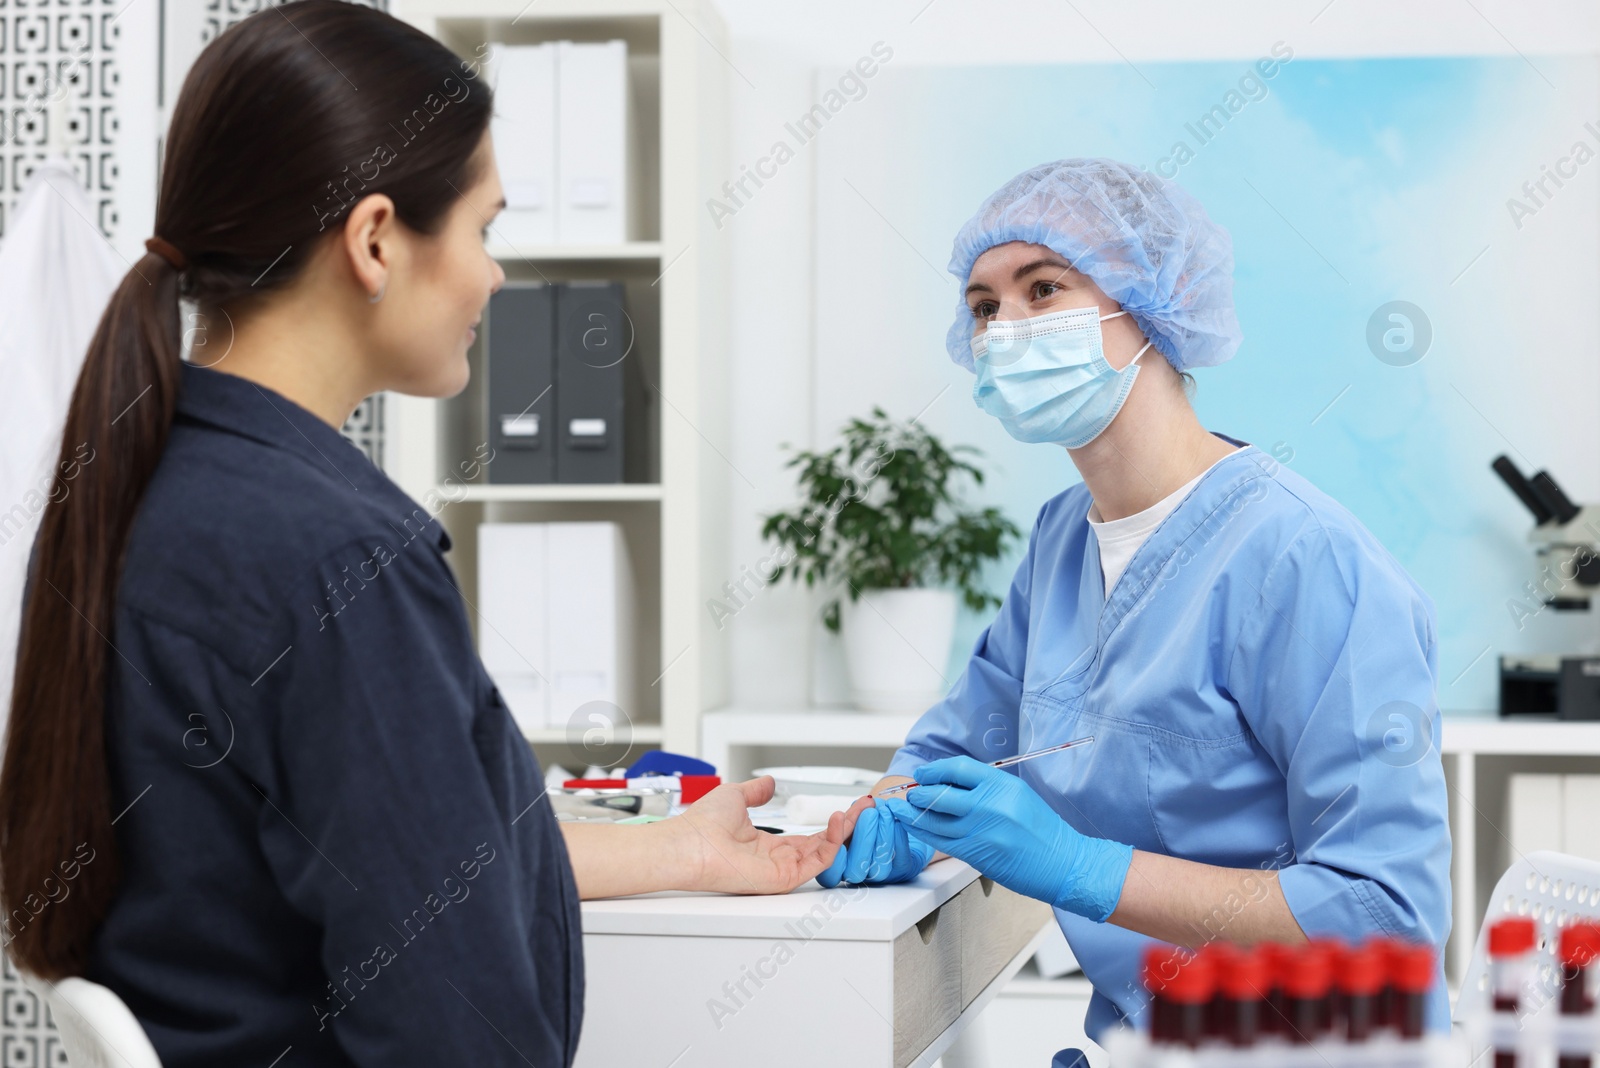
x=256 y=780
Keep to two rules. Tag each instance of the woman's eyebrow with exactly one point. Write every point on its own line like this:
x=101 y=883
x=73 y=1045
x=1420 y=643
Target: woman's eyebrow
x=1022 y=272
x=1036 y=264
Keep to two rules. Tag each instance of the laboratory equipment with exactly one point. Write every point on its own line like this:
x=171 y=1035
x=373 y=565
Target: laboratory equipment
x=1566 y=548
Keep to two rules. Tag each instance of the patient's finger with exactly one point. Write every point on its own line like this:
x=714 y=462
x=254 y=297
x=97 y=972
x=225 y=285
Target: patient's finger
x=758 y=791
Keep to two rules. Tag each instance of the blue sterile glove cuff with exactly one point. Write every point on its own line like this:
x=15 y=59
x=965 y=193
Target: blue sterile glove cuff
x=994 y=821
x=881 y=850
x=1093 y=885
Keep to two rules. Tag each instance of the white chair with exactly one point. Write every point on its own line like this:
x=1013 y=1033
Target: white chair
x=96 y=1028
x=1554 y=890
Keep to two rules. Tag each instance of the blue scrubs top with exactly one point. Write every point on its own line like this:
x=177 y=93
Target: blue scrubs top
x=1260 y=683
x=335 y=844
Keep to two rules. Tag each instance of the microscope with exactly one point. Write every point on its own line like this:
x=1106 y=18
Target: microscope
x=1566 y=551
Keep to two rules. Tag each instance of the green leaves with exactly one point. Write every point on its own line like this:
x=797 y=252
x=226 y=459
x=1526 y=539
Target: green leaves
x=879 y=511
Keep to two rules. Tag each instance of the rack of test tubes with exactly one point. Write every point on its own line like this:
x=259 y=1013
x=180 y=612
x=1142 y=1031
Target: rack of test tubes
x=1324 y=1003
x=1537 y=1012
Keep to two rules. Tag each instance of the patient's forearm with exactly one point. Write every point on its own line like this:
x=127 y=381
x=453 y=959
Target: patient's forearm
x=1189 y=904
x=610 y=860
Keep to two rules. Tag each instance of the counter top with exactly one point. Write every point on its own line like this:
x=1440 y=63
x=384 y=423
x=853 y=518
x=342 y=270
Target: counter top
x=849 y=913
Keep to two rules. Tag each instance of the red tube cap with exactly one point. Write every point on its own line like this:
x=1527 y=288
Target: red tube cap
x=1277 y=958
x=1248 y=976
x=1411 y=968
x=1179 y=974
x=1364 y=969
x=1580 y=945
x=1308 y=973
x=1512 y=937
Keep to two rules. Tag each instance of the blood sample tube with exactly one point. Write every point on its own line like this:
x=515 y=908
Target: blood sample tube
x=1411 y=974
x=1180 y=988
x=1332 y=1007
x=1222 y=956
x=1307 y=980
x=1580 y=944
x=1361 y=982
x=1384 y=948
x=1274 y=1015
x=1511 y=946
x=1244 y=987
x=1160 y=965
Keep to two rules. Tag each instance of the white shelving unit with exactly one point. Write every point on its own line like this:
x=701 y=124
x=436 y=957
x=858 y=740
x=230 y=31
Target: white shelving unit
x=674 y=517
x=1480 y=752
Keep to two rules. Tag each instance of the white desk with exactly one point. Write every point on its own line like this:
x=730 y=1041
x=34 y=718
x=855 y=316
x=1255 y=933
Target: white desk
x=883 y=976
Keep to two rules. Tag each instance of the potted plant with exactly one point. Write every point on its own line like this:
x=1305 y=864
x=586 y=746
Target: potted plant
x=881 y=526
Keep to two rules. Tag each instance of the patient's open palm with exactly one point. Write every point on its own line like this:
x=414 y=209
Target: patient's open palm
x=735 y=858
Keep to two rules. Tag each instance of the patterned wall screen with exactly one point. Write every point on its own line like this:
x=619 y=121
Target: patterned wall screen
x=59 y=63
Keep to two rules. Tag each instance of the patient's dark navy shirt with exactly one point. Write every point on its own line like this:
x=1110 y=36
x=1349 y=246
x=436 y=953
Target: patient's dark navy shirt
x=333 y=843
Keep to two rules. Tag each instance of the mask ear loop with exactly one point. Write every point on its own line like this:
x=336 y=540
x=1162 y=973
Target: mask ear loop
x=1136 y=355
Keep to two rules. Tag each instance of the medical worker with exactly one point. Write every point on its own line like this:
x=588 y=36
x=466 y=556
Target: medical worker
x=1257 y=672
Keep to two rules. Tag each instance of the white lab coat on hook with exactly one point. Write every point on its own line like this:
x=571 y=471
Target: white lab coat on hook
x=56 y=274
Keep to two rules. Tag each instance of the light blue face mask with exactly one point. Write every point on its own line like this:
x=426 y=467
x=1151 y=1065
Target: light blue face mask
x=1047 y=380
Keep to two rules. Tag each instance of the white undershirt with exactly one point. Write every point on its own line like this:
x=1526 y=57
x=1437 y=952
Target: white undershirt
x=1119 y=539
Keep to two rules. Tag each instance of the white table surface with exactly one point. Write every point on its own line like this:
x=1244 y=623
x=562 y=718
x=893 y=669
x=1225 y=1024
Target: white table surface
x=876 y=914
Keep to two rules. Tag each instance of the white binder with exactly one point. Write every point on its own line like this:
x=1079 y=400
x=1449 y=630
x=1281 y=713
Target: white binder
x=591 y=622
x=592 y=142
x=556 y=622
x=513 y=618
x=524 y=134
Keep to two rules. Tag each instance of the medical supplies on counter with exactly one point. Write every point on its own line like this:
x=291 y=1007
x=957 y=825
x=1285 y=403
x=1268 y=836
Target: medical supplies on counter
x=656 y=785
x=1324 y=1003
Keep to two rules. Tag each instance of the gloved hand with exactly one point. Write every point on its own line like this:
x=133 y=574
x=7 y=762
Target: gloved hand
x=879 y=851
x=994 y=821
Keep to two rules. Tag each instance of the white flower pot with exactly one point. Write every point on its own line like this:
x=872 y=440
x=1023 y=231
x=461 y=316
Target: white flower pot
x=896 y=647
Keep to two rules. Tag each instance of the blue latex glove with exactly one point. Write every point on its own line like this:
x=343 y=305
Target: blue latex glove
x=879 y=851
x=994 y=821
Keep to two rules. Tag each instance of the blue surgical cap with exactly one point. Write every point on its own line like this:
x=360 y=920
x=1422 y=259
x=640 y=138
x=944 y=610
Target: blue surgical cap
x=1145 y=241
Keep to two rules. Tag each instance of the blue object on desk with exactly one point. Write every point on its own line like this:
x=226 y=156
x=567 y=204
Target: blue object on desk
x=661 y=762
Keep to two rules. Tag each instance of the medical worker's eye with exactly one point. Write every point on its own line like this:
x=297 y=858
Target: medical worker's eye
x=984 y=309
x=1041 y=290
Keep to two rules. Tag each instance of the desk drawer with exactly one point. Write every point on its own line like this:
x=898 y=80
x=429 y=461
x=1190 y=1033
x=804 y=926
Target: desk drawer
x=995 y=925
x=927 y=980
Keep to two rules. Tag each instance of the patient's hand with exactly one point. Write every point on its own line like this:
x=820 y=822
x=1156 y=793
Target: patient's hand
x=727 y=854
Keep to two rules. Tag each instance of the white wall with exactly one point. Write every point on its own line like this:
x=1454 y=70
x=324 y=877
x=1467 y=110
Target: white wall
x=780 y=658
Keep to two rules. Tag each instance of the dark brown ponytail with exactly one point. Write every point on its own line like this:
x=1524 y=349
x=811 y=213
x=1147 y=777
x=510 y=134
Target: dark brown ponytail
x=285 y=121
